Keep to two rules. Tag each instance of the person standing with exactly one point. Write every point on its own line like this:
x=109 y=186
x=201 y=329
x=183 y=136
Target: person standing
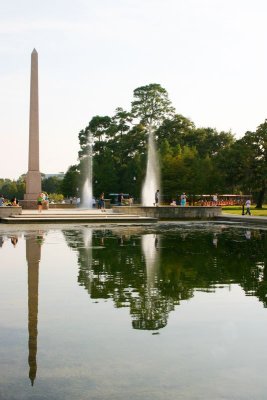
x=183 y=200
x=102 y=202
x=156 y=198
x=248 y=205
x=120 y=199
x=2 y=200
x=46 y=201
x=40 y=199
x=215 y=199
x=14 y=202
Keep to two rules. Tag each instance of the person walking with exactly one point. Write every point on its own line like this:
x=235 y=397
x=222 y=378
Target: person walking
x=156 y=198
x=248 y=205
x=243 y=208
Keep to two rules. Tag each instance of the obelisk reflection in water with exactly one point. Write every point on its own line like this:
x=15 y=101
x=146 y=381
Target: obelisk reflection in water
x=33 y=256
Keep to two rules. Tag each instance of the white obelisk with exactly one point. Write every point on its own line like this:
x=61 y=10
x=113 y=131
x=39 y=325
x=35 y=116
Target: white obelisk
x=33 y=179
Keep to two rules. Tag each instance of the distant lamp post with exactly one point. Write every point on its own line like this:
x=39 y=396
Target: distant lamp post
x=134 y=182
x=95 y=184
x=78 y=200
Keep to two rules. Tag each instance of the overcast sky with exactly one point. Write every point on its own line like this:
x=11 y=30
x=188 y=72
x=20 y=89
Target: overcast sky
x=210 y=55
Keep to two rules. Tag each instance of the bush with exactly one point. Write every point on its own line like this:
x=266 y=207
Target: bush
x=55 y=197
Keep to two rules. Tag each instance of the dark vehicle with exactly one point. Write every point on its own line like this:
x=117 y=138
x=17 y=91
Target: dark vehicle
x=114 y=199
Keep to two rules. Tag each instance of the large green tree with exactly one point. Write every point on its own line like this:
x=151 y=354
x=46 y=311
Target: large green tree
x=192 y=159
x=254 y=161
x=71 y=182
x=151 y=105
x=52 y=184
x=175 y=130
x=244 y=164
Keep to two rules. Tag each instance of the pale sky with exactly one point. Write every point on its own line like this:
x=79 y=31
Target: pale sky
x=210 y=55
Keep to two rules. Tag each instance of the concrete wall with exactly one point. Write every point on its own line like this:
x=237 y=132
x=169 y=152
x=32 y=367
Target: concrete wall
x=62 y=206
x=32 y=205
x=169 y=213
x=7 y=211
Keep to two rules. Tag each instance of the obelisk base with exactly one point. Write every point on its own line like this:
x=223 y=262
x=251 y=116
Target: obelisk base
x=28 y=204
x=33 y=185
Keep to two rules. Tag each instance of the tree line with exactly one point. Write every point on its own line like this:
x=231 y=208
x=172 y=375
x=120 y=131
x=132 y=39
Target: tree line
x=16 y=188
x=192 y=159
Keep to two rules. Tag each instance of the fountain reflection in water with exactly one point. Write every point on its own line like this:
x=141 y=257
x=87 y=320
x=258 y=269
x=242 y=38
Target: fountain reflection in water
x=152 y=179
x=151 y=309
x=87 y=166
x=151 y=255
x=87 y=238
x=87 y=257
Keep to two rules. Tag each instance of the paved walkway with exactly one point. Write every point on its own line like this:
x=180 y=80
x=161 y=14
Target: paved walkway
x=248 y=219
x=57 y=215
x=74 y=215
x=68 y=211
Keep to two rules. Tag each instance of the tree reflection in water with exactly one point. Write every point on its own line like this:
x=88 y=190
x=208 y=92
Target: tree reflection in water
x=152 y=272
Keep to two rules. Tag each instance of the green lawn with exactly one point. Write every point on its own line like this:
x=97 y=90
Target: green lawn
x=238 y=210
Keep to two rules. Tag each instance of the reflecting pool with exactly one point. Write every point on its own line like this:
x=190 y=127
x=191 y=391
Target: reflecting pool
x=169 y=311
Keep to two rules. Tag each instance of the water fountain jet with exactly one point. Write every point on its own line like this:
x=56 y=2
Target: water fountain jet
x=152 y=179
x=87 y=165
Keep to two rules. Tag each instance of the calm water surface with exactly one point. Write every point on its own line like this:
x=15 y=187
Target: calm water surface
x=161 y=312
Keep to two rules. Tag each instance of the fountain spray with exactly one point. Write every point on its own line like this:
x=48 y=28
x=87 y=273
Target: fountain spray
x=152 y=179
x=87 y=164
